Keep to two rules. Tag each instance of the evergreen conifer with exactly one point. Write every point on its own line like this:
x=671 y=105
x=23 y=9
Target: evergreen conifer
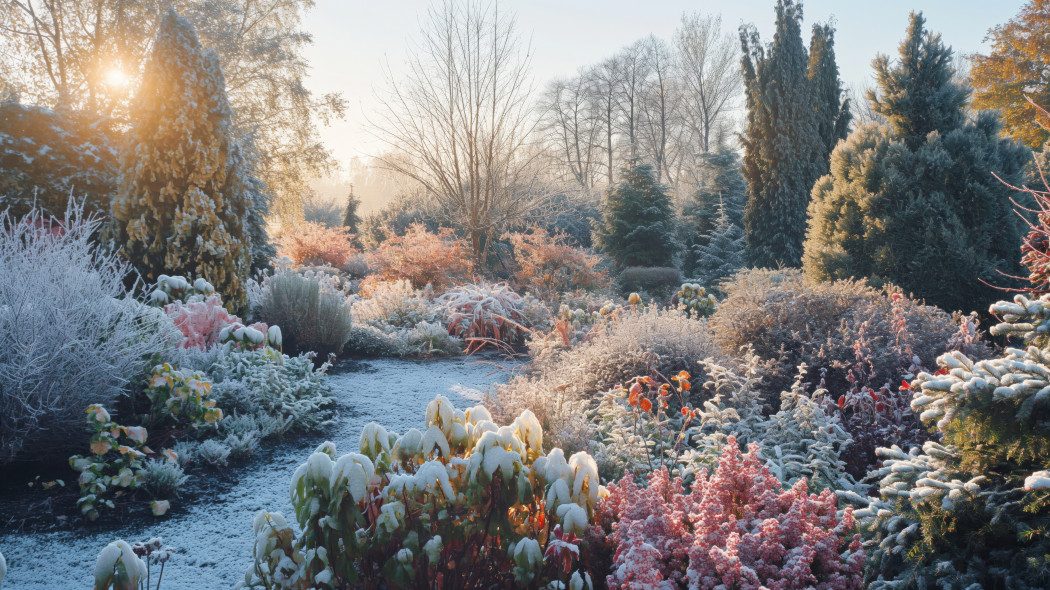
x=914 y=201
x=638 y=220
x=785 y=146
x=183 y=204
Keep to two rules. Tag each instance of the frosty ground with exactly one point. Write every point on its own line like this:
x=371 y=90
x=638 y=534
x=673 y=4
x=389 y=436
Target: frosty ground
x=213 y=536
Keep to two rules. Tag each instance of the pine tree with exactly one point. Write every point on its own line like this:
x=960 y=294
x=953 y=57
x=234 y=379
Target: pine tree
x=721 y=187
x=914 y=200
x=638 y=221
x=721 y=253
x=183 y=203
x=783 y=149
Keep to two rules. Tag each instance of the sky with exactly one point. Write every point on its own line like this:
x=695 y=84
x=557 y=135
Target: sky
x=354 y=40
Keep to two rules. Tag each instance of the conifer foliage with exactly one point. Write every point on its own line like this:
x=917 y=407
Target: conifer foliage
x=795 y=117
x=637 y=227
x=182 y=204
x=722 y=192
x=917 y=194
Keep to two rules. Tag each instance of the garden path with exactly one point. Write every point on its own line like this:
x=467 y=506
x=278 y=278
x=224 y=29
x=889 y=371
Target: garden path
x=213 y=537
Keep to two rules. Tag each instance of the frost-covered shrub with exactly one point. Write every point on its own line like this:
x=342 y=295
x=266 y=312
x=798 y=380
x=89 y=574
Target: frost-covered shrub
x=163 y=478
x=310 y=307
x=657 y=281
x=971 y=511
x=200 y=321
x=181 y=396
x=115 y=465
x=736 y=528
x=315 y=244
x=692 y=299
x=241 y=445
x=185 y=452
x=548 y=265
x=287 y=388
x=369 y=341
x=641 y=428
x=463 y=500
x=169 y=290
x=560 y=385
x=259 y=424
x=785 y=318
x=70 y=334
x=430 y=339
x=420 y=257
x=486 y=313
x=214 y=453
x=396 y=304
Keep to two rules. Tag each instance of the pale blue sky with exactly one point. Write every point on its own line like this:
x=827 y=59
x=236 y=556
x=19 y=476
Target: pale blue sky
x=353 y=38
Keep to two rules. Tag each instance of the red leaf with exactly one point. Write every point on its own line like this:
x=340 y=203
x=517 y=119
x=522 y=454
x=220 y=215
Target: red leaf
x=905 y=385
x=842 y=400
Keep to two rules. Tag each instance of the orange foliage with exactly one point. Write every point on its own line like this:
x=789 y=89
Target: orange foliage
x=421 y=257
x=547 y=265
x=312 y=244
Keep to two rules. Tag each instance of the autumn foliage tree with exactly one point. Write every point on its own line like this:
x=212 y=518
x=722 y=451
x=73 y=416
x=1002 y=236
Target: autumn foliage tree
x=1016 y=69
x=182 y=205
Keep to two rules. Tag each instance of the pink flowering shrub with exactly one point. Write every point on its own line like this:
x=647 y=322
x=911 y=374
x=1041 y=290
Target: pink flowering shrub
x=200 y=320
x=737 y=528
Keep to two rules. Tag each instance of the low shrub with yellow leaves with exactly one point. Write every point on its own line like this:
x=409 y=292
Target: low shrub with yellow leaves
x=115 y=466
x=181 y=395
x=464 y=503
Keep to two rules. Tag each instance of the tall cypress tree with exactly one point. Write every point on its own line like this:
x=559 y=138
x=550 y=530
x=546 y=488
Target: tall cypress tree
x=183 y=202
x=914 y=201
x=638 y=221
x=831 y=109
x=783 y=149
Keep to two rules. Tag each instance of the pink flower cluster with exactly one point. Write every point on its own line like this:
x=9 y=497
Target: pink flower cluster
x=200 y=321
x=737 y=528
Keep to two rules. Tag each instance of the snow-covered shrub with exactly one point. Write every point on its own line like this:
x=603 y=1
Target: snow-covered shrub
x=396 y=304
x=181 y=396
x=315 y=244
x=310 y=307
x=561 y=384
x=169 y=290
x=70 y=334
x=287 y=388
x=738 y=527
x=785 y=318
x=260 y=424
x=421 y=257
x=163 y=478
x=485 y=313
x=463 y=500
x=692 y=299
x=971 y=511
x=548 y=265
x=115 y=463
x=214 y=453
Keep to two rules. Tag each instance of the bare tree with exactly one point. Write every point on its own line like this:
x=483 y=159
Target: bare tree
x=604 y=84
x=462 y=117
x=570 y=124
x=709 y=71
x=659 y=107
x=633 y=71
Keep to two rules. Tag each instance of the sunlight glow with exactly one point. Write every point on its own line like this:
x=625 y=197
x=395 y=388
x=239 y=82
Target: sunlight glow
x=116 y=78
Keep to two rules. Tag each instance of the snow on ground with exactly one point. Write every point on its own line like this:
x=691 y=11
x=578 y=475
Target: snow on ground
x=213 y=537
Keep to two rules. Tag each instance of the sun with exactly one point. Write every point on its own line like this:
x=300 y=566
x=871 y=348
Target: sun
x=116 y=78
